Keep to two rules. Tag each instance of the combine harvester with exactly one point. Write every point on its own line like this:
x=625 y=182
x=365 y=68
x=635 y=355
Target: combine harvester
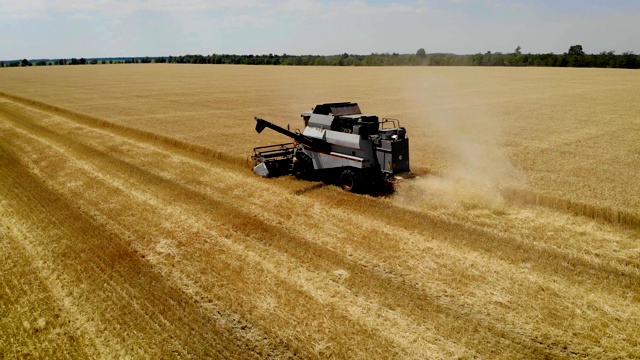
x=340 y=145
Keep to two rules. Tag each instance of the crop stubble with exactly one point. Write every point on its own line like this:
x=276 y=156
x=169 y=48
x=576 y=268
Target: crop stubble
x=147 y=248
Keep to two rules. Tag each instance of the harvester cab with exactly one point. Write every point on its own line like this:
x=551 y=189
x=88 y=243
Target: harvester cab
x=357 y=151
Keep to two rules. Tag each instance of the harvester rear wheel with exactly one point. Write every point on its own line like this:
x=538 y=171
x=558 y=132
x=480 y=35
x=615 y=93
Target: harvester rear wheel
x=351 y=180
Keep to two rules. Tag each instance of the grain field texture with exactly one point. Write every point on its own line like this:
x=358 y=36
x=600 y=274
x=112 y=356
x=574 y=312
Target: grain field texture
x=130 y=226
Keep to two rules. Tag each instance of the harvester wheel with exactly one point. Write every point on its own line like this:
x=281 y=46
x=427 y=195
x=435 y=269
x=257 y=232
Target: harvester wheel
x=351 y=180
x=303 y=168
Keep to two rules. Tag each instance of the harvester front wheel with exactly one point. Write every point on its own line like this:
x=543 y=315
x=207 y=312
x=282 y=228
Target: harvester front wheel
x=303 y=167
x=351 y=180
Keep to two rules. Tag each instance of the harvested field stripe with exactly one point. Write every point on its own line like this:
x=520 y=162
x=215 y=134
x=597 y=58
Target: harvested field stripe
x=614 y=216
x=34 y=327
x=99 y=254
x=549 y=259
x=531 y=197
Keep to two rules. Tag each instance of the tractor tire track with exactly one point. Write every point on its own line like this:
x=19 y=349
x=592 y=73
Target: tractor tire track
x=37 y=328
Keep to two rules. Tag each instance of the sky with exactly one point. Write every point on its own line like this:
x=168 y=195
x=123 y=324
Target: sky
x=36 y=29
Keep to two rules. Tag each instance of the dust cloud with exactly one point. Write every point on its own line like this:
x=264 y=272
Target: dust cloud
x=470 y=167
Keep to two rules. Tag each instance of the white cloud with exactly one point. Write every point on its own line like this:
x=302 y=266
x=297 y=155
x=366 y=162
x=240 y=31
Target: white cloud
x=40 y=8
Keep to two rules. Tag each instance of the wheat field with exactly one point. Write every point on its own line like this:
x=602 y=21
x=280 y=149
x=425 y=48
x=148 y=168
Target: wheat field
x=132 y=227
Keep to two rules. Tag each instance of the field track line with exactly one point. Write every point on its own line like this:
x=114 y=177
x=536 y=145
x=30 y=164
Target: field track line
x=126 y=130
x=44 y=327
x=601 y=213
x=98 y=250
x=94 y=344
x=528 y=196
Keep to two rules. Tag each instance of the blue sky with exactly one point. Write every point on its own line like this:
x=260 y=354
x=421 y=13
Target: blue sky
x=109 y=28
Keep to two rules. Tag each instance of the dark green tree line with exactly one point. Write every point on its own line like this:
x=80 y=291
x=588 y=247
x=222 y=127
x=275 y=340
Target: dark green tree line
x=574 y=57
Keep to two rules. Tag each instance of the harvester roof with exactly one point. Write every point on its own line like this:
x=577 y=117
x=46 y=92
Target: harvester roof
x=337 y=109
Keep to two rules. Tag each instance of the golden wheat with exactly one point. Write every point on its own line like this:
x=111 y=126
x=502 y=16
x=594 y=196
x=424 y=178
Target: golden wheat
x=136 y=228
